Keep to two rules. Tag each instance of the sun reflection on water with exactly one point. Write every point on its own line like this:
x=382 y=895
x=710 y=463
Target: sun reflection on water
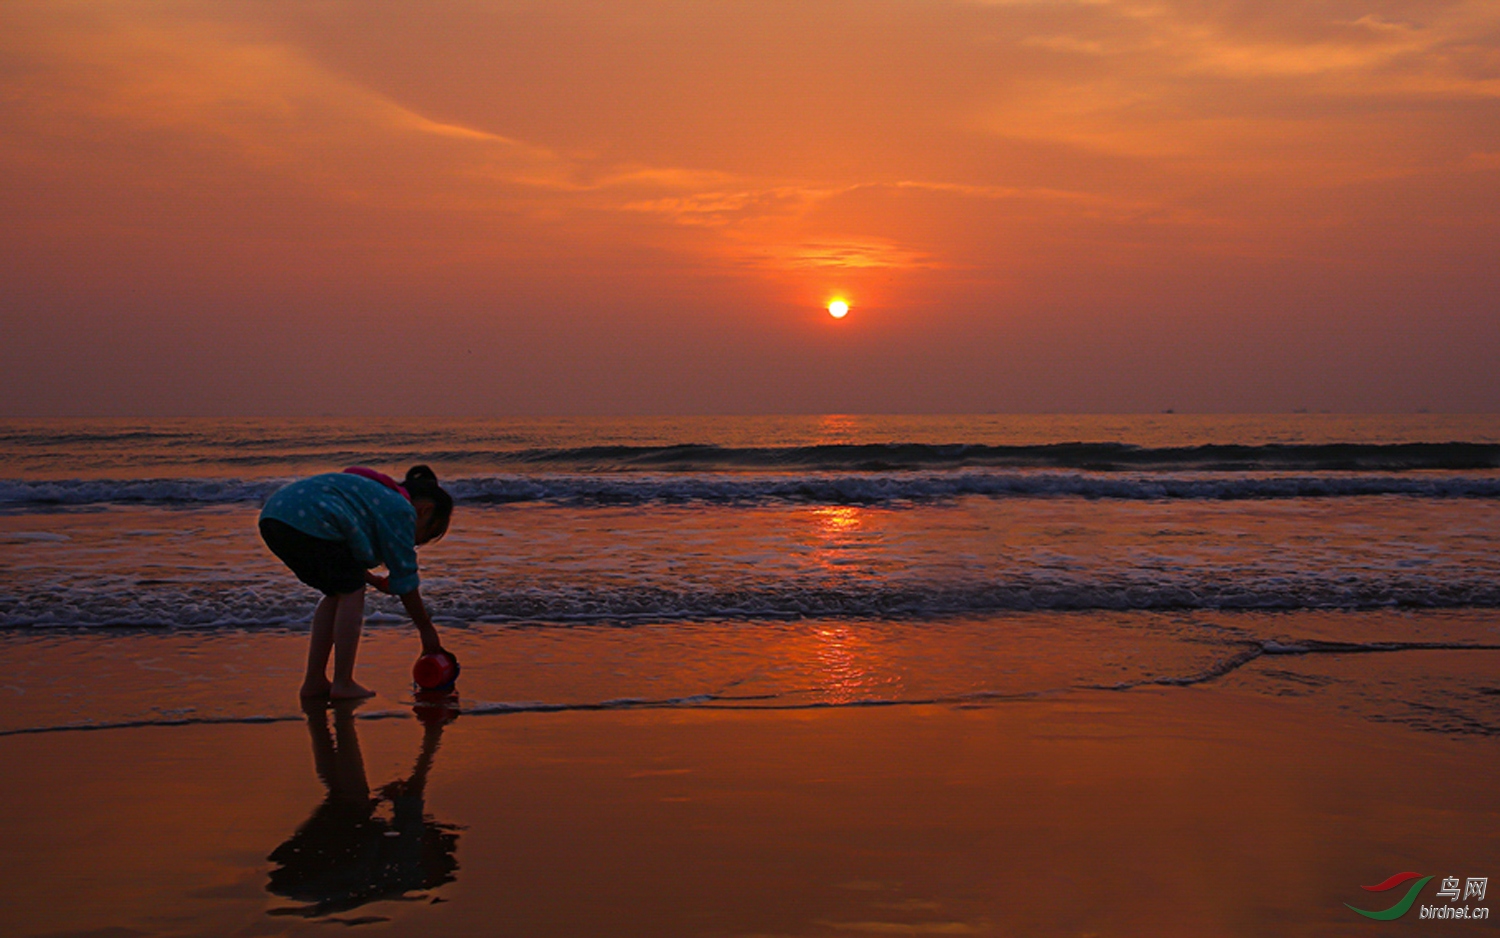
x=838 y=519
x=839 y=653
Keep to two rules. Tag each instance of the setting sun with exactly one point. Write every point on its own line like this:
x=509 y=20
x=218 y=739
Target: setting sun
x=838 y=309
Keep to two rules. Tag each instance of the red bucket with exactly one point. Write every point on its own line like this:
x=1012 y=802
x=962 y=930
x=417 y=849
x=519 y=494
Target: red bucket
x=435 y=672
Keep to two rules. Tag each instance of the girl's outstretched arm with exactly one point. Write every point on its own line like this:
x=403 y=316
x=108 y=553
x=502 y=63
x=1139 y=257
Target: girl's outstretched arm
x=419 y=617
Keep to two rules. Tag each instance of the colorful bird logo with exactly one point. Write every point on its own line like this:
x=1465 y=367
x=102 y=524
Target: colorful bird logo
x=1399 y=909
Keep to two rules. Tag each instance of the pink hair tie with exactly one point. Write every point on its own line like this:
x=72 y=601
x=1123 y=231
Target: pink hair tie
x=380 y=477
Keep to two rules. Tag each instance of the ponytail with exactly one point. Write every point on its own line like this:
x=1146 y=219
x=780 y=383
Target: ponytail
x=422 y=482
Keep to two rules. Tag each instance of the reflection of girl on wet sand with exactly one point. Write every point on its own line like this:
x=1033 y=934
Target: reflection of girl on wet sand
x=358 y=847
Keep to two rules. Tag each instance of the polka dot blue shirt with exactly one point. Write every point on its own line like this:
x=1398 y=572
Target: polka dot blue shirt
x=377 y=523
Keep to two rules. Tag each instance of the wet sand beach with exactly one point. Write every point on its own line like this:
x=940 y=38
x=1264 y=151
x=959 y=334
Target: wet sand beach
x=1253 y=803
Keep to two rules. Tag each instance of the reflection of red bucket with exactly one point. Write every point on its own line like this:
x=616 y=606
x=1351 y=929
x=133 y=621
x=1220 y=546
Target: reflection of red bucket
x=432 y=672
x=436 y=707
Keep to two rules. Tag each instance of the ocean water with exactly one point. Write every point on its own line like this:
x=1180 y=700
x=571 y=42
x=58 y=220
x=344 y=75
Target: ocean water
x=773 y=561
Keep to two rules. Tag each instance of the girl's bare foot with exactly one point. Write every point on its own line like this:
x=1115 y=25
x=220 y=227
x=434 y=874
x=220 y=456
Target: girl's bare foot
x=316 y=687
x=349 y=691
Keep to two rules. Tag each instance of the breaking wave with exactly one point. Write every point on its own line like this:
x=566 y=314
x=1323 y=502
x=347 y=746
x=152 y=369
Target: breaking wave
x=208 y=607
x=1098 y=457
x=750 y=489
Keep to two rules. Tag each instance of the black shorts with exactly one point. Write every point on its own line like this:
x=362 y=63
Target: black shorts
x=326 y=566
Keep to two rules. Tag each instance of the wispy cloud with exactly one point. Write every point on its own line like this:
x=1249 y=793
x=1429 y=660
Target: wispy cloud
x=1191 y=93
x=1250 y=91
x=841 y=255
x=903 y=928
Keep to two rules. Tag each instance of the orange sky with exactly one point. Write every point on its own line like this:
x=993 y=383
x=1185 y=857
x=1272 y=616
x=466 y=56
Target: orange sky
x=559 y=207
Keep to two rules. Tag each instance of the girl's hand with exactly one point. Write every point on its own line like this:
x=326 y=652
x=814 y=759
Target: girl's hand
x=382 y=583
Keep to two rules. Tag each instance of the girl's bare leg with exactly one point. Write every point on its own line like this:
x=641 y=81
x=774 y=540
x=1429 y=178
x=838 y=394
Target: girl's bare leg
x=348 y=621
x=316 y=684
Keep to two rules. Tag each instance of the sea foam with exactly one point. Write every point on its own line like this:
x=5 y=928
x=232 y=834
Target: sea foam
x=867 y=488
